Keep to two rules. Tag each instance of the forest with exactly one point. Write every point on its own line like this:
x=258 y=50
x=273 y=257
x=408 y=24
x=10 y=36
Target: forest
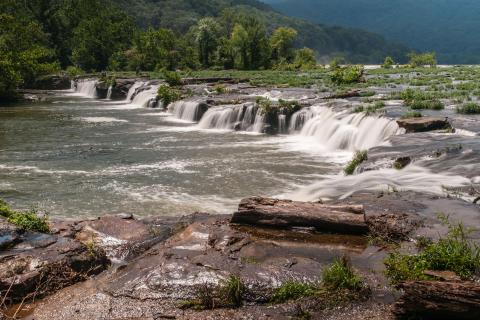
x=44 y=36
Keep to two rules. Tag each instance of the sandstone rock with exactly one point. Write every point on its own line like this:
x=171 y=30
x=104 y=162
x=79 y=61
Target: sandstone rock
x=424 y=124
x=259 y=211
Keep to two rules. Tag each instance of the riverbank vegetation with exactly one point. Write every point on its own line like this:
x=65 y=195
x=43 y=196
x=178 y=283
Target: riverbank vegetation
x=27 y=220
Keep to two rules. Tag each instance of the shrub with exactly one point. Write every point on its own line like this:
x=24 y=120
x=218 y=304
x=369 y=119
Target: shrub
x=28 y=220
x=426 y=104
x=469 y=108
x=292 y=290
x=388 y=63
x=74 y=71
x=265 y=105
x=422 y=59
x=340 y=276
x=233 y=290
x=455 y=252
x=168 y=95
x=347 y=75
x=358 y=158
x=172 y=78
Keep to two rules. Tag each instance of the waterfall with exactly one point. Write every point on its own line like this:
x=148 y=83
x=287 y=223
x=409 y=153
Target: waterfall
x=233 y=117
x=133 y=90
x=109 y=93
x=186 y=110
x=282 y=124
x=87 y=88
x=337 y=131
x=299 y=119
x=145 y=96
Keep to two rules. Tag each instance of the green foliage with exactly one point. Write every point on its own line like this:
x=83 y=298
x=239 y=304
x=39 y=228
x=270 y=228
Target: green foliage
x=207 y=34
x=305 y=59
x=74 y=71
x=265 y=105
x=469 y=108
x=454 y=252
x=422 y=59
x=358 y=158
x=340 y=276
x=388 y=63
x=292 y=290
x=26 y=220
x=281 y=43
x=233 y=290
x=347 y=75
x=426 y=104
x=168 y=95
x=172 y=78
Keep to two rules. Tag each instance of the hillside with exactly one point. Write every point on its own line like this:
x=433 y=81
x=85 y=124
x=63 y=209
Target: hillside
x=445 y=26
x=355 y=45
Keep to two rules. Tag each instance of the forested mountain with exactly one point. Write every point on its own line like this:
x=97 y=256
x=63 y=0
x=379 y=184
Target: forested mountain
x=448 y=27
x=355 y=45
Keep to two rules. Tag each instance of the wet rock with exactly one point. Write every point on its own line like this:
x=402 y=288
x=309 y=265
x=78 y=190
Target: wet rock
x=402 y=162
x=9 y=234
x=42 y=264
x=205 y=253
x=424 y=124
x=393 y=227
x=439 y=300
x=121 y=88
x=288 y=214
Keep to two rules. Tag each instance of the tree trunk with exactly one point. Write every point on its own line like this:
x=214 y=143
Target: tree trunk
x=439 y=300
x=347 y=219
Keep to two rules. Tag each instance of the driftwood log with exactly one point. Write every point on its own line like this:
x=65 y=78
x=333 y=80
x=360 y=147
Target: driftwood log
x=257 y=211
x=439 y=300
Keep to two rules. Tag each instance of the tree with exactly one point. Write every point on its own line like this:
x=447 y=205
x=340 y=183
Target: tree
x=240 y=44
x=155 y=50
x=23 y=54
x=226 y=53
x=305 y=59
x=97 y=38
x=207 y=33
x=422 y=59
x=388 y=63
x=281 y=43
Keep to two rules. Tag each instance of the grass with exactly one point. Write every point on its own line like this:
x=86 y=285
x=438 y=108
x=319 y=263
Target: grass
x=340 y=276
x=469 y=108
x=358 y=158
x=233 y=291
x=293 y=290
x=28 y=220
x=455 y=252
x=426 y=104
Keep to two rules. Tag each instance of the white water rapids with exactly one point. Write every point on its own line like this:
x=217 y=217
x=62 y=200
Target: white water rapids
x=318 y=127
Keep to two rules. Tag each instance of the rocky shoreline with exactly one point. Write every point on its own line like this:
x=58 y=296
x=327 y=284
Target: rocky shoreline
x=118 y=267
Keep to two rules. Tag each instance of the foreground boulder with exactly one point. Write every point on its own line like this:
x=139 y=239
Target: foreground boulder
x=439 y=300
x=424 y=124
x=39 y=264
x=257 y=211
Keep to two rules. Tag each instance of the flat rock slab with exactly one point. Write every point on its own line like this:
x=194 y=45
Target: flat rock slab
x=257 y=211
x=424 y=124
x=207 y=252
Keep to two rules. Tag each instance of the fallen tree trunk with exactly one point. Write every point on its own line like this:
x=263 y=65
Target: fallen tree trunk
x=257 y=211
x=439 y=300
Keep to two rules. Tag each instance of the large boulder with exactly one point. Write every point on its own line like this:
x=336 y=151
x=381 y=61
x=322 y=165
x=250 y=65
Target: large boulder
x=424 y=124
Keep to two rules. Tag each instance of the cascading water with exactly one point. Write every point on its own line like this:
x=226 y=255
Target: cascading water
x=133 y=90
x=145 y=96
x=337 y=131
x=186 y=110
x=87 y=88
x=299 y=119
x=109 y=93
x=238 y=117
x=282 y=124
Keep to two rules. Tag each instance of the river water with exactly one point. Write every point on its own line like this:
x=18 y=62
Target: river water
x=77 y=156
